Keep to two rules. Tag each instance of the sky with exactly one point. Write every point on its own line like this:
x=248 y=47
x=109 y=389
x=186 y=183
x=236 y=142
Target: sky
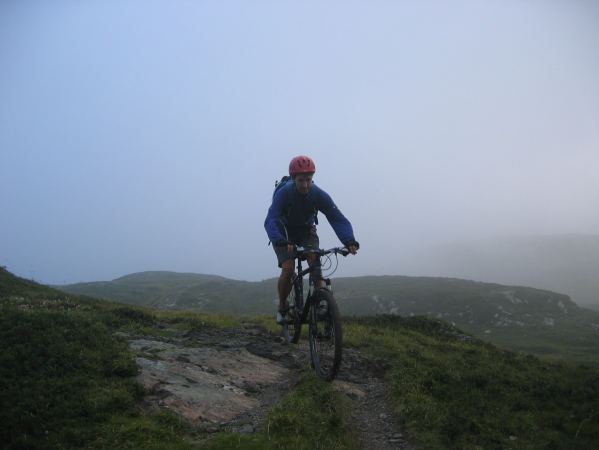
x=147 y=135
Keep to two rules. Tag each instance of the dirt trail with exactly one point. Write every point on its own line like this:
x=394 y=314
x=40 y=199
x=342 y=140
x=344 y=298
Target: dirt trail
x=230 y=379
x=373 y=419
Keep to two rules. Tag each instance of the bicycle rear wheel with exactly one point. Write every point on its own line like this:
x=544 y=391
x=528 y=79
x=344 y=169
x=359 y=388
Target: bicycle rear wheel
x=325 y=334
x=293 y=328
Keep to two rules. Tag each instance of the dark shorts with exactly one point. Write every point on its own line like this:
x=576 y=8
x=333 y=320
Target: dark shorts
x=309 y=239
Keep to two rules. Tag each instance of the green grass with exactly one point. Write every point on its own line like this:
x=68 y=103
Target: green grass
x=187 y=320
x=456 y=392
x=267 y=322
x=571 y=342
x=63 y=379
x=312 y=416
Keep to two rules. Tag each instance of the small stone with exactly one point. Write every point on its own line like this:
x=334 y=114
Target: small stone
x=382 y=416
x=247 y=429
x=212 y=430
x=397 y=436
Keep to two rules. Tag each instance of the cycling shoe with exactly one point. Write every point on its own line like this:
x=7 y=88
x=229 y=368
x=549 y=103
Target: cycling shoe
x=281 y=317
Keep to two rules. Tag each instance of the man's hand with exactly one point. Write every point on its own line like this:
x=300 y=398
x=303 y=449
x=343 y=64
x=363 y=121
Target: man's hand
x=286 y=244
x=353 y=247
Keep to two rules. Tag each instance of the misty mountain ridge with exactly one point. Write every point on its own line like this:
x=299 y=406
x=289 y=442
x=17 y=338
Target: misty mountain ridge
x=365 y=295
x=518 y=317
x=567 y=263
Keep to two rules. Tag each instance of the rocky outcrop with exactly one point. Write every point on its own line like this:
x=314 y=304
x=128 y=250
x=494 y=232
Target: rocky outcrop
x=228 y=379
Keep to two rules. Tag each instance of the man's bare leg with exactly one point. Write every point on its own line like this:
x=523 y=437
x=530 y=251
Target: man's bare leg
x=284 y=284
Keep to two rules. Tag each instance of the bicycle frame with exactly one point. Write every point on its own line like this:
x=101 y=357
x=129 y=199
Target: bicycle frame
x=301 y=273
x=320 y=312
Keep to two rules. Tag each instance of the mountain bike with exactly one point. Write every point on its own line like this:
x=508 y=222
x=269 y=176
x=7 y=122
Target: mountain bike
x=319 y=312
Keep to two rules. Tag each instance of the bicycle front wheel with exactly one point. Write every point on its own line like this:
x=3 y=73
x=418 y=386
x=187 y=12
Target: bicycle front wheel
x=325 y=334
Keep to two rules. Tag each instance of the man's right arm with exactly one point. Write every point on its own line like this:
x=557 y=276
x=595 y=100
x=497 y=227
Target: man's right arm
x=273 y=224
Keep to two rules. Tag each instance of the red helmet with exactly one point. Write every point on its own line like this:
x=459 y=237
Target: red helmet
x=301 y=164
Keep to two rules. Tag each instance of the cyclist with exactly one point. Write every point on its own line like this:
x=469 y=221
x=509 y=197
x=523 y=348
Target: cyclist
x=291 y=221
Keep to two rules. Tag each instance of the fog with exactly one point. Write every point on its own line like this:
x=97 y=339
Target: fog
x=144 y=135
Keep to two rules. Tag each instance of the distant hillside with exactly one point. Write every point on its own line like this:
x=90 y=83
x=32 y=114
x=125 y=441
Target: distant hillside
x=568 y=264
x=514 y=316
x=172 y=290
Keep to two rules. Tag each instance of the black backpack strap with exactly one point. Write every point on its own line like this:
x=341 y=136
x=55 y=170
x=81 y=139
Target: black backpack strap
x=314 y=207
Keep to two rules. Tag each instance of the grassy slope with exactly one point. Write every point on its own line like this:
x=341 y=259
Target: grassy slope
x=457 y=392
x=67 y=381
x=513 y=317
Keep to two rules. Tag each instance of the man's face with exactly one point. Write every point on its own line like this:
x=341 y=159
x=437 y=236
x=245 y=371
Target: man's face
x=303 y=182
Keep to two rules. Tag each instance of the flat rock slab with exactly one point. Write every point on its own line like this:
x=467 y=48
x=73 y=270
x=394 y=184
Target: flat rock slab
x=230 y=378
x=205 y=384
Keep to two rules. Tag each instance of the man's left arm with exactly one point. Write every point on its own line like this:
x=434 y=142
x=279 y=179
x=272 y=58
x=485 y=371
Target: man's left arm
x=341 y=226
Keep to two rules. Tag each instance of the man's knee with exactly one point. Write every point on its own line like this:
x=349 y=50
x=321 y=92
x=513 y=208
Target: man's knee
x=287 y=269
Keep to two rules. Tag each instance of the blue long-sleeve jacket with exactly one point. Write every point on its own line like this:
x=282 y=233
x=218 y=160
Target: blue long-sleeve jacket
x=292 y=213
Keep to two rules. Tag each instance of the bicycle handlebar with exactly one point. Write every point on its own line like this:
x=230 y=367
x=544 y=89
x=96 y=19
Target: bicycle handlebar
x=301 y=251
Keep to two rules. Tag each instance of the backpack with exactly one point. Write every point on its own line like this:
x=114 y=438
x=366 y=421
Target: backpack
x=283 y=182
x=279 y=184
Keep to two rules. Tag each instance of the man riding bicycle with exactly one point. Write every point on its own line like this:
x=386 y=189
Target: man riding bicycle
x=291 y=221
